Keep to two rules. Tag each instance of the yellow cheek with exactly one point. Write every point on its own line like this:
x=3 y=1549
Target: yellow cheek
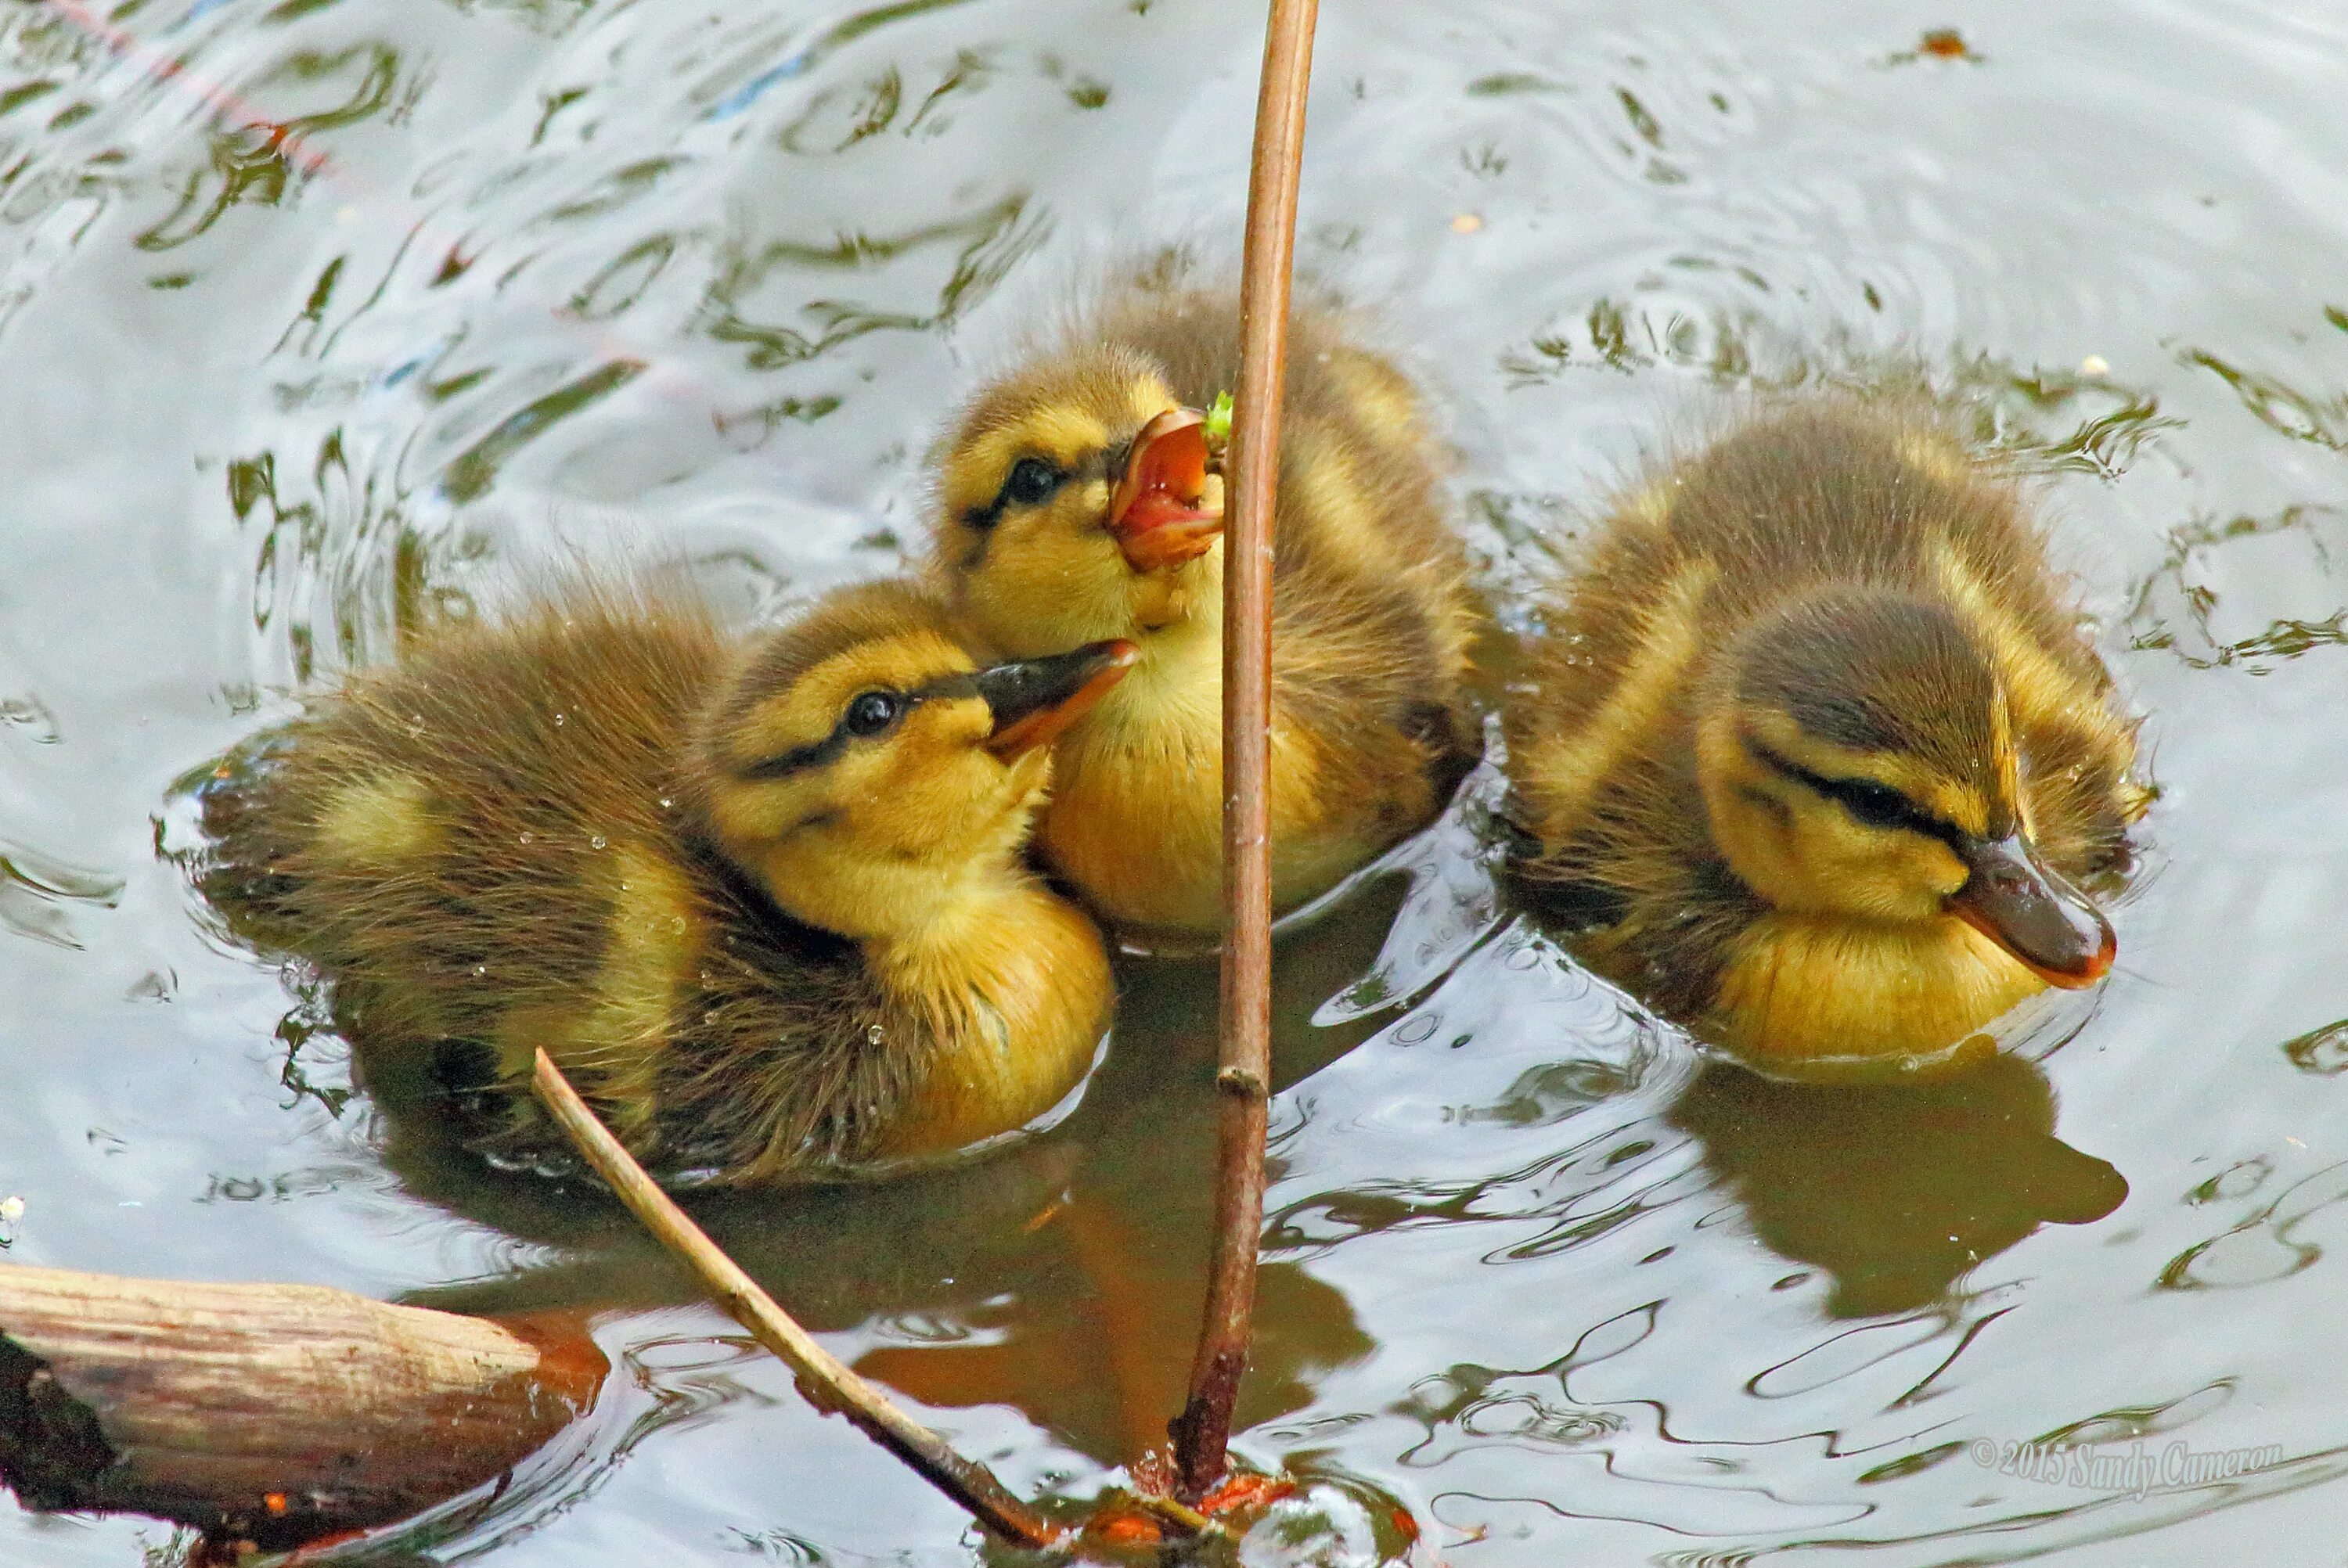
x=1049 y=583
x=1872 y=874
x=1896 y=876
x=1821 y=863
x=929 y=793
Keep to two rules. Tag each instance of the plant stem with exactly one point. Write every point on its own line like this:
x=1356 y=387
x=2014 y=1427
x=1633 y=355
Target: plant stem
x=1203 y=1430
x=827 y=1383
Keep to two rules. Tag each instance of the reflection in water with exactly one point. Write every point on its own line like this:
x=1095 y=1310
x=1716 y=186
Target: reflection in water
x=1063 y=1278
x=2250 y=592
x=1896 y=1190
x=2322 y=1052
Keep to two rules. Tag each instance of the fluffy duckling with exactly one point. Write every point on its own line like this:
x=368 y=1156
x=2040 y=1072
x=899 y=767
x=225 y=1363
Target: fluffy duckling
x=1813 y=748
x=766 y=905
x=1078 y=503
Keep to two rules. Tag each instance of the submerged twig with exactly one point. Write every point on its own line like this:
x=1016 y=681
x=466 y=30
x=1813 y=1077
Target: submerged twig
x=1203 y=1430
x=823 y=1377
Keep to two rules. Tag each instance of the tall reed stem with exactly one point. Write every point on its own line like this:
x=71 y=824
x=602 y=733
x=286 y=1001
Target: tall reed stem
x=1203 y=1430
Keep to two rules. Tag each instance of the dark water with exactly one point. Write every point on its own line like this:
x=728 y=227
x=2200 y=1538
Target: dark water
x=537 y=272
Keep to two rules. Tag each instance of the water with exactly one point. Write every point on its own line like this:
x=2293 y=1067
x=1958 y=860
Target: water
x=538 y=274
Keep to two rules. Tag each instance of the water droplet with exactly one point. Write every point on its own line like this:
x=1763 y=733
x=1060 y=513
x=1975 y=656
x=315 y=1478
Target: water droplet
x=558 y=721
x=480 y=972
x=599 y=842
x=666 y=803
x=525 y=837
x=874 y=1034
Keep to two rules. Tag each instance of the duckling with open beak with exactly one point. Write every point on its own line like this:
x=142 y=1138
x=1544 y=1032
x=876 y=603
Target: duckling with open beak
x=1079 y=500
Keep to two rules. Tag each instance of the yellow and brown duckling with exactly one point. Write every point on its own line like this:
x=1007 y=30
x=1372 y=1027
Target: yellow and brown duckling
x=1814 y=752
x=1077 y=503
x=766 y=904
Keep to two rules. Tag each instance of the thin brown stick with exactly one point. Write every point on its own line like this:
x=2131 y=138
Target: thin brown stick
x=1203 y=1430
x=822 y=1378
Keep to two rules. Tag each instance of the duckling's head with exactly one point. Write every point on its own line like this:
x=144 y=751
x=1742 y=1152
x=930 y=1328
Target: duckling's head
x=1077 y=505
x=1858 y=762
x=870 y=775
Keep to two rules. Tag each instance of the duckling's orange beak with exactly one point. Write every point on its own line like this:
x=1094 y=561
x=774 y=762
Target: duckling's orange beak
x=1034 y=700
x=1165 y=510
x=2034 y=914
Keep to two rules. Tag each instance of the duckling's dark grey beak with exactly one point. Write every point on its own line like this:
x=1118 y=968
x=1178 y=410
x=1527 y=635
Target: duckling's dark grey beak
x=1035 y=699
x=2032 y=913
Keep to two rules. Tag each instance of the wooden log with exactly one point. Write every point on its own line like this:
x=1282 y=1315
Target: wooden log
x=270 y=1413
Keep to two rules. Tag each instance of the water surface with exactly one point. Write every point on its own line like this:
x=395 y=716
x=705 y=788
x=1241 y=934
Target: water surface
x=525 y=275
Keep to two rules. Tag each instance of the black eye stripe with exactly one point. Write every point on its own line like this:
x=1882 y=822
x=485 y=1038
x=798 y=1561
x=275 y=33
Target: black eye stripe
x=1873 y=804
x=817 y=754
x=798 y=759
x=1042 y=481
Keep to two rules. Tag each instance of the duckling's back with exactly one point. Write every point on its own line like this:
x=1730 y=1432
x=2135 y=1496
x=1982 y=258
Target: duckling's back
x=493 y=847
x=1839 y=494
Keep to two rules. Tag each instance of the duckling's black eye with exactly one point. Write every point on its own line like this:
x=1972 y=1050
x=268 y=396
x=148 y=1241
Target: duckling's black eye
x=1877 y=805
x=873 y=712
x=1031 y=480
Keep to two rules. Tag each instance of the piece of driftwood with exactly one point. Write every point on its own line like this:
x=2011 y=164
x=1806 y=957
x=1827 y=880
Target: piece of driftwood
x=1204 y=1426
x=270 y=1413
x=823 y=1377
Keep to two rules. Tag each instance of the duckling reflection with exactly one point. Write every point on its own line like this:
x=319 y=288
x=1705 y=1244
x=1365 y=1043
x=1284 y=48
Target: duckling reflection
x=766 y=905
x=1814 y=752
x=1077 y=503
x=1063 y=1278
x=1895 y=1189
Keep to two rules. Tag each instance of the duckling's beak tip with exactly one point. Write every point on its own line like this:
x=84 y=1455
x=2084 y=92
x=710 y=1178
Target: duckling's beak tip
x=2041 y=921
x=2097 y=965
x=1034 y=701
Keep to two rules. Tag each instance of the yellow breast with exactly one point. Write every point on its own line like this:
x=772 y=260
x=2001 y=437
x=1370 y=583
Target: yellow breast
x=1136 y=820
x=1809 y=992
x=1018 y=999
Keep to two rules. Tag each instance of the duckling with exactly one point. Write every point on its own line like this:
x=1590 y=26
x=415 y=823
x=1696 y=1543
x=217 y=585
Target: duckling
x=766 y=904
x=1077 y=502
x=1814 y=751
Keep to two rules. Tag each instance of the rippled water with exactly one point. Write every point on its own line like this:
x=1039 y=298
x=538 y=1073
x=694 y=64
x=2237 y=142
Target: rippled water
x=529 y=272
